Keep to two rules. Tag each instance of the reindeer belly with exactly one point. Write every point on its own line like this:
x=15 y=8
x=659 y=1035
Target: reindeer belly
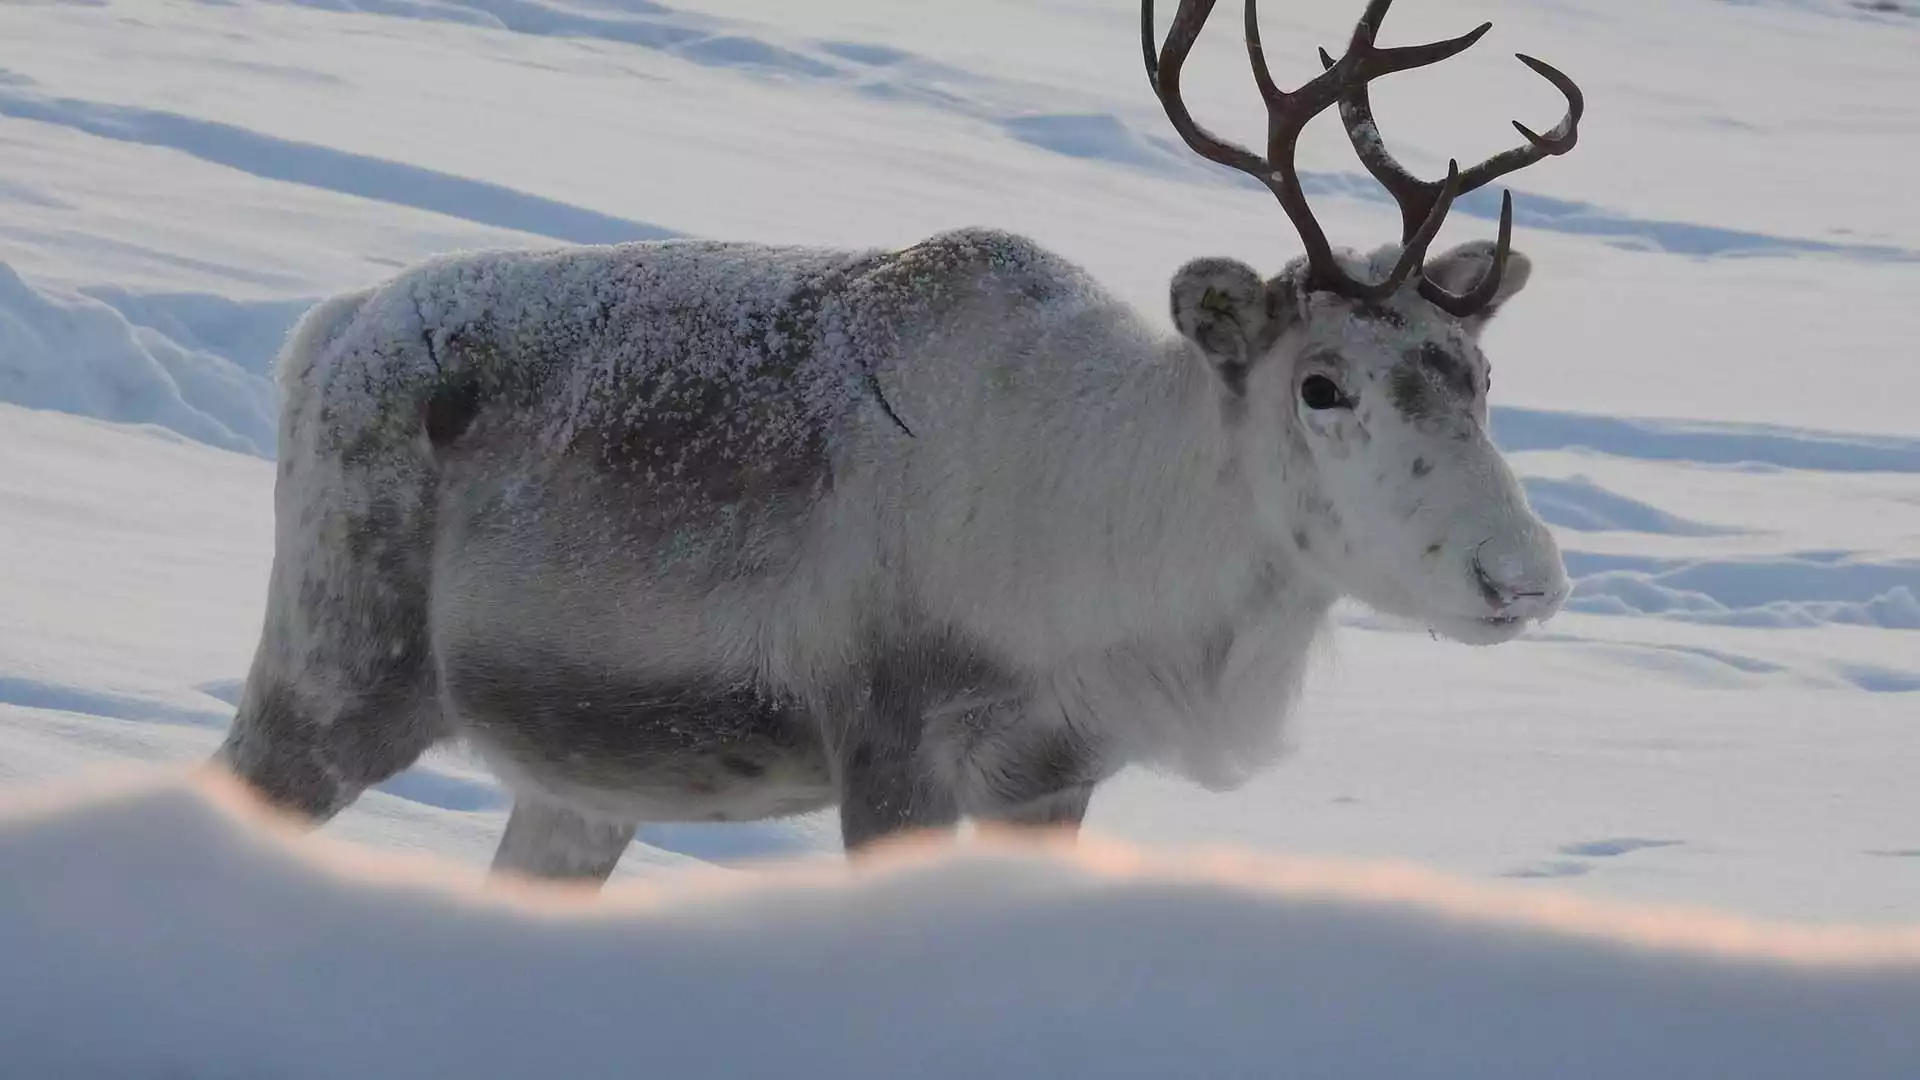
x=701 y=748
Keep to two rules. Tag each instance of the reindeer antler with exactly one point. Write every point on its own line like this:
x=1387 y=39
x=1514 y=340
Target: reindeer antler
x=1418 y=197
x=1423 y=204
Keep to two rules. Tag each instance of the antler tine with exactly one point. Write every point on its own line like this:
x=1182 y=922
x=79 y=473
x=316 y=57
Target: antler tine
x=1423 y=204
x=1163 y=72
x=1414 y=195
x=1373 y=61
x=1413 y=253
x=1559 y=140
x=1270 y=91
x=1477 y=298
x=1289 y=113
x=1418 y=199
x=1286 y=114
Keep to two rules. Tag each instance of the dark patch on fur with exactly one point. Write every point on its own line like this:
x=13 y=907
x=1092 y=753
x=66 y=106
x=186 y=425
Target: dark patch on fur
x=710 y=415
x=1265 y=587
x=1233 y=374
x=605 y=729
x=449 y=411
x=1421 y=466
x=1215 y=648
x=1016 y=771
x=937 y=683
x=1412 y=394
x=1454 y=372
x=1043 y=768
x=711 y=440
x=886 y=782
x=1301 y=540
x=921 y=670
x=1381 y=314
x=1066 y=807
x=1430 y=381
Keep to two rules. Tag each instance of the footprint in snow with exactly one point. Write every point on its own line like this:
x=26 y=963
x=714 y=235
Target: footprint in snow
x=1606 y=849
x=1588 y=849
x=1553 y=868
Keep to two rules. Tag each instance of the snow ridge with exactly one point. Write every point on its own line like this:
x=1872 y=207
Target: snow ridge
x=221 y=947
x=193 y=364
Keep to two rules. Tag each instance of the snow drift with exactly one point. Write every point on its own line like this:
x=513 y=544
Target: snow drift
x=196 y=365
x=170 y=929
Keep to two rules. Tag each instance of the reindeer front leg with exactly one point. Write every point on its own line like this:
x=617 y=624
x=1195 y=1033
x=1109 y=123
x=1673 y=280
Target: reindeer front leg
x=1062 y=811
x=885 y=786
x=892 y=749
x=1024 y=779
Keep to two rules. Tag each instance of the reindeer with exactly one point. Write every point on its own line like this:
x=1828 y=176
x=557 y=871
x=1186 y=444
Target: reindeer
x=720 y=531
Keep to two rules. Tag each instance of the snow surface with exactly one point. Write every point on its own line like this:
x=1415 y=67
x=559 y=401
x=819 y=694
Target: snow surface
x=198 y=940
x=1708 y=388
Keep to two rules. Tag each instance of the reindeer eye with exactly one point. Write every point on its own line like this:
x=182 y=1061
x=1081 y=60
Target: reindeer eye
x=1320 y=392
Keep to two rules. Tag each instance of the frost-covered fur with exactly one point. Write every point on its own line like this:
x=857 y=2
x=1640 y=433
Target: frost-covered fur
x=721 y=531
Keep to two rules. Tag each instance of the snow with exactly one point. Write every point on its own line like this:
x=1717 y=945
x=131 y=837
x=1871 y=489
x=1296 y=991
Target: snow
x=219 y=946
x=89 y=356
x=1708 y=388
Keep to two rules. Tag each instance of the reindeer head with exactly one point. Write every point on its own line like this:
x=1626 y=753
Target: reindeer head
x=1359 y=381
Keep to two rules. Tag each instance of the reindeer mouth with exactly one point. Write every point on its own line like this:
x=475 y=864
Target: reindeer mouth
x=1481 y=629
x=1502 y=624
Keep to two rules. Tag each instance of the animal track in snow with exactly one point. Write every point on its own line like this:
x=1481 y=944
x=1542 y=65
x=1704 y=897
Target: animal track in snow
x=38 y=694
x=273 y=158
x=1609 y=848
x=1553 y=868
x=1606 y=849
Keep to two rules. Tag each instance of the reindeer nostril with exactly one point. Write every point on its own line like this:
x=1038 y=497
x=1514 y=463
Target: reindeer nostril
x=1489 y=589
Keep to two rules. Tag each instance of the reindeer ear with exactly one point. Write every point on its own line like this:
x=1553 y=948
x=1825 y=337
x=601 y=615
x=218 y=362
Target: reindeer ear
x=1229 y=311
x=1460 y=269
